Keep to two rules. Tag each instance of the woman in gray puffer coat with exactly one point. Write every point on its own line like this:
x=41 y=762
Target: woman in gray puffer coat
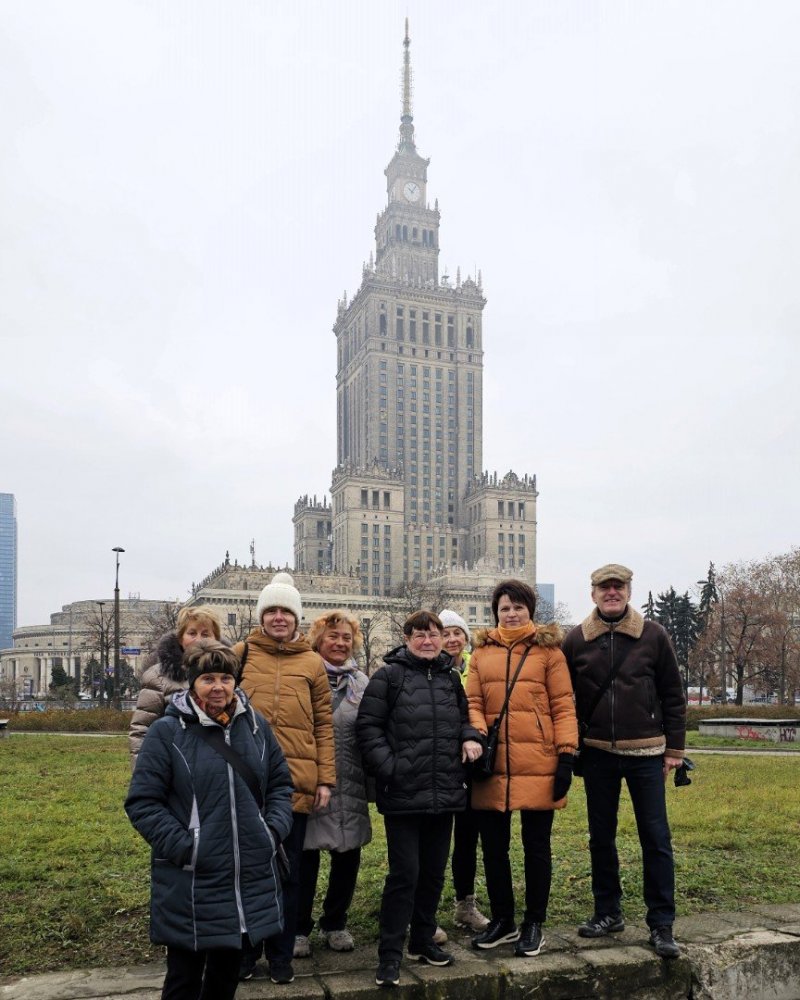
x=214 y=826
x=343 y=826
x=162 y=679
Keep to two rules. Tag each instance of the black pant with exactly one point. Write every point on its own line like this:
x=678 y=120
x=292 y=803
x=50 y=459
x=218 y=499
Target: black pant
x=602 y=779
x=201 y=975
x=496 y=841
x=339 y=896
x=417 y=846
x=465 y=852
x=279 y=949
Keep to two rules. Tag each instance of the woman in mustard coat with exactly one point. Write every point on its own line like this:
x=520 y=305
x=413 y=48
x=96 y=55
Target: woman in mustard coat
x=533 y=768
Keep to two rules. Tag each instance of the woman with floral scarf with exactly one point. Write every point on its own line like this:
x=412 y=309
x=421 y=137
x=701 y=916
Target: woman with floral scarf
x=343 y=826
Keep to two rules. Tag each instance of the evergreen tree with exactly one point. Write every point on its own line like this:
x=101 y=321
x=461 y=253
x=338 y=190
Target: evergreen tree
x=649 y=608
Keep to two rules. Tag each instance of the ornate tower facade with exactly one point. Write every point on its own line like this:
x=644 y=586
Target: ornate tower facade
x=409 y=379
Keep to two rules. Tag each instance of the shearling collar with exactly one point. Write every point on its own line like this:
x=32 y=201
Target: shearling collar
x=549 y=636
x=630 y=624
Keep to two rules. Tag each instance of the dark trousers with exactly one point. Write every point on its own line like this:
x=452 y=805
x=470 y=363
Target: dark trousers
x=279 y=949
x=339 y=896
x=602 y=779
x=495 y=830
x=417 y=846
x=465 y=852
x=201 y=975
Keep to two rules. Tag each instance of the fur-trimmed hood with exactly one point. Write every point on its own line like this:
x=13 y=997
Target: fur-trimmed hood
x=631 y=623
x=548 y=636
x=169 y=656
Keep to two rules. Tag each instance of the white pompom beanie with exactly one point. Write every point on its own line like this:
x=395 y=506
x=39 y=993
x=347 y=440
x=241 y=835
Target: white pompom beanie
x=280 y=592
x=450 y=619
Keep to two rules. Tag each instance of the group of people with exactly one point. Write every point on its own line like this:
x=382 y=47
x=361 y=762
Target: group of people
x=249 y=761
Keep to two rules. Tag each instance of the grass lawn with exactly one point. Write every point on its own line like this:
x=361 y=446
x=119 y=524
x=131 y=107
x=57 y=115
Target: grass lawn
x=74 y=876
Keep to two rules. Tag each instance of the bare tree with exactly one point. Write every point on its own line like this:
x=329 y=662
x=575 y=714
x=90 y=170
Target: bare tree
x=99 y=640
x=374 y=629
x=158 y=621
x=240 y=622
x=417 y=595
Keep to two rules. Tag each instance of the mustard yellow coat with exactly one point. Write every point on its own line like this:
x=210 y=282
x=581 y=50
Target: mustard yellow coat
x=540 y=722
x=287 y=683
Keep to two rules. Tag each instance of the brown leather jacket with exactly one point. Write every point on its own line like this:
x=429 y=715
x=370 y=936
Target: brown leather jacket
x=644 y=707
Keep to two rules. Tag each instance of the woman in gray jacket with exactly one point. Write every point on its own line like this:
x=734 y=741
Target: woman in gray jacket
x=343 y=826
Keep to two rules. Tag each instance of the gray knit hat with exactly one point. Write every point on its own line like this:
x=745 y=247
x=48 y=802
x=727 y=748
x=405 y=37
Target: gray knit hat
x=280 y=592
x=450 y=619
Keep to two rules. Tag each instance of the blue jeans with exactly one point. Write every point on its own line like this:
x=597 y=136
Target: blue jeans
x=602 y=779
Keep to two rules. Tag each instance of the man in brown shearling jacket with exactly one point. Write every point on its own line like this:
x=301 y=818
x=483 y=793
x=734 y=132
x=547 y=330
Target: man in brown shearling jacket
x=632 y=717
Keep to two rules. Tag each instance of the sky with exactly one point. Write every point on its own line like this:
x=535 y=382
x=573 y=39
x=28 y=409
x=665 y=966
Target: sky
x=188 y=188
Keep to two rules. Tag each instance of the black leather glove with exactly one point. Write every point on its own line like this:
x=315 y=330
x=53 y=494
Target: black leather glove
x=563 y=776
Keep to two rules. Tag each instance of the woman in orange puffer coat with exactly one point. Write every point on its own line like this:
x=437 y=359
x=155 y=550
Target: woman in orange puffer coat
x=533 y=768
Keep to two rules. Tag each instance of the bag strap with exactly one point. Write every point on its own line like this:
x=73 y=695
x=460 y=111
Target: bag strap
x=584 y=723
x=215 y=738
x=498 y=721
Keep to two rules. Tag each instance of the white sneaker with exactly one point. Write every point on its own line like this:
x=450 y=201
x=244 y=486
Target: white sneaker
x=302 y=946
x=339 y=940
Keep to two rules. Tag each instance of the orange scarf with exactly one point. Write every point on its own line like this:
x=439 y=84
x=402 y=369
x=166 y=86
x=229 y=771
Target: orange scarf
x=508 y=636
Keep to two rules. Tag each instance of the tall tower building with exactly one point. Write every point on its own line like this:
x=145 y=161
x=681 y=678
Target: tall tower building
x=8 y=568
x=409 y=499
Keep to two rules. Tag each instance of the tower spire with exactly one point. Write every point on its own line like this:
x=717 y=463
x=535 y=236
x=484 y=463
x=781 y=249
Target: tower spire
x=406 y=118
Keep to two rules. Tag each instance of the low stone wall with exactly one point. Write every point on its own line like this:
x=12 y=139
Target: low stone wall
x=769 y=730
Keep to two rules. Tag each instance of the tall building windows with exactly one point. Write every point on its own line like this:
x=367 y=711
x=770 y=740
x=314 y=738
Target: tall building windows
x=451 y=331
x=426 y=331
x=399 y=323
x=437 y=329
x=412 y=325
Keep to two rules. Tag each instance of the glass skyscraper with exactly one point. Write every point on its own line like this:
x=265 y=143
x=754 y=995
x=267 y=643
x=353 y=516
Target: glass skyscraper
x=8 y=568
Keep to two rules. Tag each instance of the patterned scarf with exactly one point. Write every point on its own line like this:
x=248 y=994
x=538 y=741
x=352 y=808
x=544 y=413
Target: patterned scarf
x=222 y=716
x=348 y=672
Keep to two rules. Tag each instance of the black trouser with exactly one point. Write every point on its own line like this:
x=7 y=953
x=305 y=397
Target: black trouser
x=602 y=779
x=279 y=949
x=417 y=846
x=201 y=975
x=465 y=851
x=495 y=830
x=339 y=896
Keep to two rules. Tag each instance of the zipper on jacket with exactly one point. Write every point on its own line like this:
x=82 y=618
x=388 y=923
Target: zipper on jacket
x=435 y=739
x=613 y=692
x=237 y=861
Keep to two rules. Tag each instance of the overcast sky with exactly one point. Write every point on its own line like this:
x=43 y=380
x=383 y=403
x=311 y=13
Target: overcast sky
x=187 y=188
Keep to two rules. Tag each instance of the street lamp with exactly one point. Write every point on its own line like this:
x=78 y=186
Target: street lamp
x=102 y=672
x=117 y=703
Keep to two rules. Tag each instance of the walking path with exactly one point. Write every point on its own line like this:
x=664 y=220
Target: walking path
x=726 y=956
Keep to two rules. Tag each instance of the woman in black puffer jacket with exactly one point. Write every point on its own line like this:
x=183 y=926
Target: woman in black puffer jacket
x=413 y=733
x=213 y=866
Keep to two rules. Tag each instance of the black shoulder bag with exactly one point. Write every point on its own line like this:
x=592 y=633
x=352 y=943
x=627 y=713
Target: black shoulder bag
x=214 y=737
x=483 y=767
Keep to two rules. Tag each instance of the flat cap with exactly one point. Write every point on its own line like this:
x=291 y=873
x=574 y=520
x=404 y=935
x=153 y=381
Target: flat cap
x=611 y=571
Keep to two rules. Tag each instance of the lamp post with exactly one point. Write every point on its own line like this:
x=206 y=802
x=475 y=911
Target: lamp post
x=102 y=644
x=117 y=703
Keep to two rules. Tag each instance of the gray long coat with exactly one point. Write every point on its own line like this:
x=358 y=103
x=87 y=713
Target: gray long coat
x=344 y=824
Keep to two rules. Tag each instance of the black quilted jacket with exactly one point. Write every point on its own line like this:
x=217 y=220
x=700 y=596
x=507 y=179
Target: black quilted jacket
x=411 y=723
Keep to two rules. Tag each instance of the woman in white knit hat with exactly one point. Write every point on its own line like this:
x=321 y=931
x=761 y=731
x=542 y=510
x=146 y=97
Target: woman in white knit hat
x=464 y=862
x=286 y=681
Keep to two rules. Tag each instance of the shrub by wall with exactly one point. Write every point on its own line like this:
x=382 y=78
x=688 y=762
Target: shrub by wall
x=90 y=720
x=697 y=712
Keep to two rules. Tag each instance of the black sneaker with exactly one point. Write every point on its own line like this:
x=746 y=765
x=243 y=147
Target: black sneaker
x=388 y=974
x=595 y=927
x=247 y=967
x=430 y=953
x=501 y=930
x=530 y=941
x=281 y=972
x=664 y=943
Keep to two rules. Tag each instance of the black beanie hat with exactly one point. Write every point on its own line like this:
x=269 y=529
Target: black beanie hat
x=207 y=656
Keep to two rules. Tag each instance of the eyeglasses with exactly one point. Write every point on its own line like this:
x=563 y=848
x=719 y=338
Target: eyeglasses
x=428 y=633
